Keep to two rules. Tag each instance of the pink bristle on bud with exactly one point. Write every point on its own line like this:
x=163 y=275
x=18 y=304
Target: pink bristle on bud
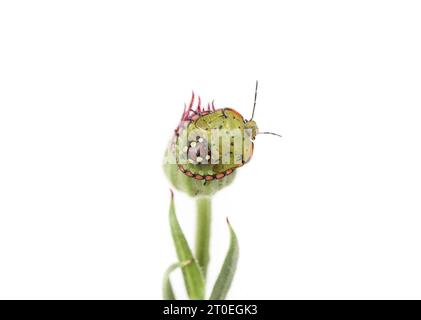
x=191 y=102
x=199 y=109
x=187 y=111
x=183 y=116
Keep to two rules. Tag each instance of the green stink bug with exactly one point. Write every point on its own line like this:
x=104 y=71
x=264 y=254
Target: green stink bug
x=211 y=143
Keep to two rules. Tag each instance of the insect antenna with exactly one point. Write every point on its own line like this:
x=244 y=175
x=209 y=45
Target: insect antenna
x=272 y=133
x=255 y=99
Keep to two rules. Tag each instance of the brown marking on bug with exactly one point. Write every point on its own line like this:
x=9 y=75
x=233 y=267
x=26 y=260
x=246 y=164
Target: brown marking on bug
x=220 y=176
x=235 y=112
x=207 y=178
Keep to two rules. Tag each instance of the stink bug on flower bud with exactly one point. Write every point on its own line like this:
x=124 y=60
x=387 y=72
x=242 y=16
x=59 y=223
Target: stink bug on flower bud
x=210 y=143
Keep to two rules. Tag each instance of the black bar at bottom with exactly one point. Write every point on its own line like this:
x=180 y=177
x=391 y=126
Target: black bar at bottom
x=185 y=309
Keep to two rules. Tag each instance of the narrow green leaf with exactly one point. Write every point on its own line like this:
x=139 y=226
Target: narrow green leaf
x=167 y=290
x=226 y=275
x=193 y=278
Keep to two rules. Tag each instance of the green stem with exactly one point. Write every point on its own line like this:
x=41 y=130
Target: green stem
x=204 y=216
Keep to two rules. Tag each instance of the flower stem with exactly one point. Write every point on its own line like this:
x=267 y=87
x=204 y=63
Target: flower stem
x=203 y=229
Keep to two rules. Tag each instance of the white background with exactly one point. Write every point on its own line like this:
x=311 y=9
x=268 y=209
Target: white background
x=90 y=92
